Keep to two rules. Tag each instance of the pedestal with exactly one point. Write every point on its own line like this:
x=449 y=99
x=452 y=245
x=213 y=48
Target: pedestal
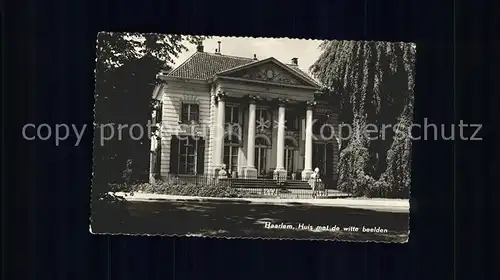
x=250 y=173
x=306 y=174
x=152 y=167
x=152 y=178
x=280 y=174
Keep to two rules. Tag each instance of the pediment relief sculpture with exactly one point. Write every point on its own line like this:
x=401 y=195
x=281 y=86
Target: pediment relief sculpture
x=269 y=73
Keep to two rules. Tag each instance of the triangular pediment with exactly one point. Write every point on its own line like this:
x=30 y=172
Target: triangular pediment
x=269 y=70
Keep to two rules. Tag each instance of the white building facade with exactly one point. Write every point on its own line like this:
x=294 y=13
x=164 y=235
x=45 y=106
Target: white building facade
x=258 y=118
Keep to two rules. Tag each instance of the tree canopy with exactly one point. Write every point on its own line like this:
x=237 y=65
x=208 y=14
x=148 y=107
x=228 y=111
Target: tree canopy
x=116 y=49
x=373 y=82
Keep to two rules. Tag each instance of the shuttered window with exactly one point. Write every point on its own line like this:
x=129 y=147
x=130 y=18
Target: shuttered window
x=187 y=156
x=190 y=112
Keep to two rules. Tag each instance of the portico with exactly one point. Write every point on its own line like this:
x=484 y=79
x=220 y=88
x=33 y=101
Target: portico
x=270 y=140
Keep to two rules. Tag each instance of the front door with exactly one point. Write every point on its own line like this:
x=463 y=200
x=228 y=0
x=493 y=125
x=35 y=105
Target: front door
x=323 y=158
x=261 y=153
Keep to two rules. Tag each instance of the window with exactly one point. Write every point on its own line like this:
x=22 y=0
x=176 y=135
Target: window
x=263 y=118
x=232 y=114
x=233 y=126
x=187 y=156
x=261 y=151
x=292 y=121
x=190 y=112
x=231 y=149
x=289 y=156
x=323 y=157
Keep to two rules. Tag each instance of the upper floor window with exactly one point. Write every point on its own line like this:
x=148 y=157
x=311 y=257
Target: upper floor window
x=292 y=121
x=232 y=114
x=190 y=112
x=263 y=115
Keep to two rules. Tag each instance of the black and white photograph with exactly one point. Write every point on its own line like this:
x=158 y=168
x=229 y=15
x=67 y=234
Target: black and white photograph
x=242 y=137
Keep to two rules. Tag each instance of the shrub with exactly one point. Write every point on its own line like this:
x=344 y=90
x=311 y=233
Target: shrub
x=120 y=187
x=353 y=162
x=380 y=188
x=364 y=184
x=175 y=187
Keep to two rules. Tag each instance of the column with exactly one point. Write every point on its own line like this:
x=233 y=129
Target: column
x=219 y=128
x=250 y=170
x=280 y=171
x=308 y=142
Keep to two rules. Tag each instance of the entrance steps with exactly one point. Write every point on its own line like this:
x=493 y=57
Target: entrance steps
x=269 y=183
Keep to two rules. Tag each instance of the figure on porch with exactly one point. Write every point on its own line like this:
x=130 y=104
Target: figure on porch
x=316 y=183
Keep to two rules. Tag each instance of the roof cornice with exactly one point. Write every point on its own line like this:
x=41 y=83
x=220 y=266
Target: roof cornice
x=287 y=68
x=167 y=78
x=218 y=77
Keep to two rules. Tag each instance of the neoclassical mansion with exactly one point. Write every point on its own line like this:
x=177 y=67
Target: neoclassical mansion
x=258 y=117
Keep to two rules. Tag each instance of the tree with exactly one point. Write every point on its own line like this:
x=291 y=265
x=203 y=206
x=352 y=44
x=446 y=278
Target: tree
x=141 y=54
x=373 y=82
x=116 y=49
x=127 y=58
x=126 y=69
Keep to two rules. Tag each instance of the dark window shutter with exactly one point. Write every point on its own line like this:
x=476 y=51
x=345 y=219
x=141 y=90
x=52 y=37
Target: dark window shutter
x=174 y=155
x=182 y=112
x=159 y=113
x=200 y=156
x=227 y=116
x=236 y=115
x=196 y=112
x=158 y=158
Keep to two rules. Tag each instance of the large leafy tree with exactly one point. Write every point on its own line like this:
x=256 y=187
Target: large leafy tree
x=126 y=68
x=373 y=83
x=116 y=49
x=126 y=61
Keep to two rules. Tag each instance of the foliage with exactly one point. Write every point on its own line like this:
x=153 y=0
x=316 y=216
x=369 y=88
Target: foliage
x=220 y=189
x=373 y=84
x=116 y=49
x=399 y=160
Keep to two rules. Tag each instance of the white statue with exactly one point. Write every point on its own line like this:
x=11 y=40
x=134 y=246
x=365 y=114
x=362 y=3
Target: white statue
x=154 y=141
x=223 y=172
x=315 y=174
x=315 y=181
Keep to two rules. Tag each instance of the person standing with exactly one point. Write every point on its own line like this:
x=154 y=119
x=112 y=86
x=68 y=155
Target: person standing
x=314 y=181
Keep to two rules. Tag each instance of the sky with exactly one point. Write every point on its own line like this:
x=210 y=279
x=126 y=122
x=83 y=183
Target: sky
x=283 y=49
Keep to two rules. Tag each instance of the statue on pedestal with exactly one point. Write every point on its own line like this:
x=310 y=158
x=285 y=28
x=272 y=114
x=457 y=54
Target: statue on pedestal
x=222 y=172
x=315 y=182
